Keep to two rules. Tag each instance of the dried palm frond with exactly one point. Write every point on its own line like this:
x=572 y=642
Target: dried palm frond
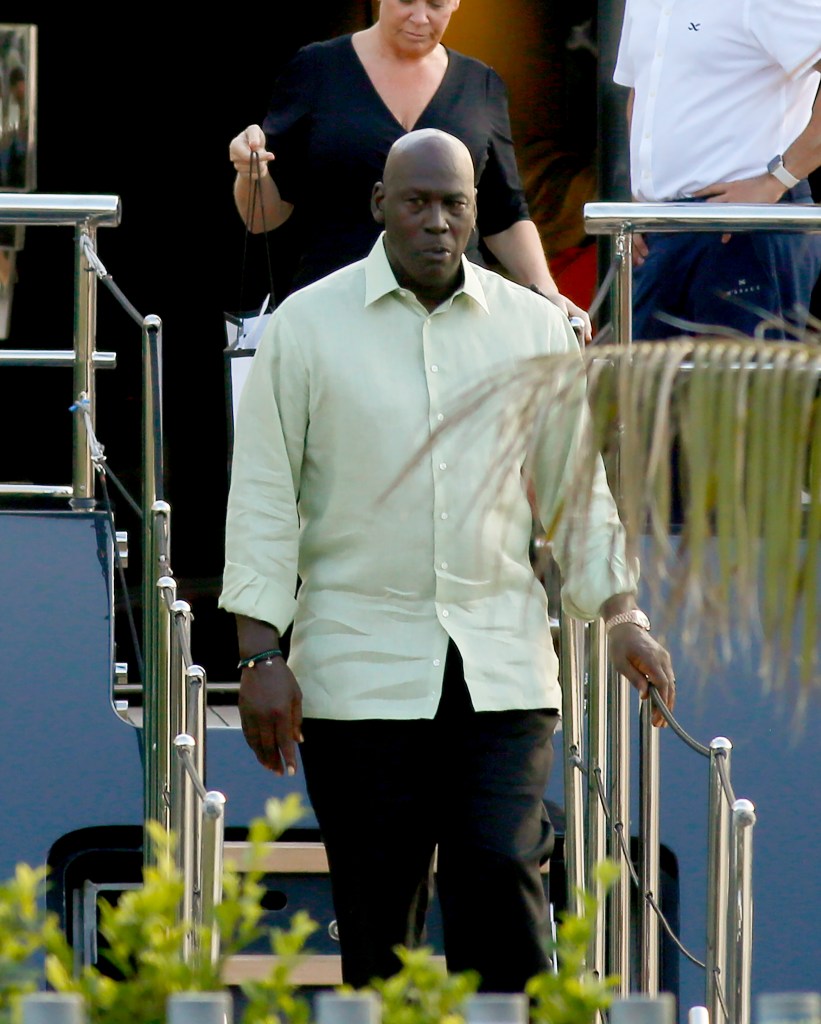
x=730 y=430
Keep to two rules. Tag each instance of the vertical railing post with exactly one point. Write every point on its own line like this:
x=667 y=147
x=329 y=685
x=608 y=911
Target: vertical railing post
x=156 y=565
x=572 y=728
x=619 y=900
x=153 y=484
x=196 y=726
x=597 y=775
x=741 y=912
x=211 y=861
x=182 y=816
x=718 y=865
x=649 y=873
x=157 y=660
x=180 y=660
x=623 y=287
x=85 y=323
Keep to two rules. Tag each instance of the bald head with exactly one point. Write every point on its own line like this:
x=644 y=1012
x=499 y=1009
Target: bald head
x=427 y=204
x=428 y=146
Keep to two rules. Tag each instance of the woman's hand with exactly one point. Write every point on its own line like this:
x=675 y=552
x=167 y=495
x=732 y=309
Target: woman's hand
x=267 y=210
x=243 y=146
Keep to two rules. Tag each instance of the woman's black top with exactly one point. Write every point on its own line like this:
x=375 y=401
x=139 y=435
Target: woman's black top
x=330 y=132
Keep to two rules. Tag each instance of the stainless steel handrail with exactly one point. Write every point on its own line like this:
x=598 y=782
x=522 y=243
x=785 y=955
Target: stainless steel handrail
x=618 y=218
x=59 y=210
x=53 y=357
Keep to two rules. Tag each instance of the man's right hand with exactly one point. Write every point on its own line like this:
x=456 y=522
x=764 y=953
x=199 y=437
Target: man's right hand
x=270 y=709
x=251 y=140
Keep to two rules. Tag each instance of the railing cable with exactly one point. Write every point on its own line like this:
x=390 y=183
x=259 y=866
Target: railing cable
x=667 y=714
x=618 y=828
x=104 y=276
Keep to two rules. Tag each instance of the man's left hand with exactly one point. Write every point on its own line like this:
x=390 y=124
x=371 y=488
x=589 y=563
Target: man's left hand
x=641 y=659
x=763 y=188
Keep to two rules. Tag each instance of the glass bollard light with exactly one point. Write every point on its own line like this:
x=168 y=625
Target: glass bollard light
x=639 y=1009
x=788 y=1008
x=493 y=1008
x=353 y=1008
x=53 y=1008
x=200 y=1008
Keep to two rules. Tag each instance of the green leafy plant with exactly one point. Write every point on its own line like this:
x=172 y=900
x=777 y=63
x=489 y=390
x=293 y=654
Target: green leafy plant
x=422 y=992
x=26 y=933
x=574 y=994
x=143 y=946
x=144 y=942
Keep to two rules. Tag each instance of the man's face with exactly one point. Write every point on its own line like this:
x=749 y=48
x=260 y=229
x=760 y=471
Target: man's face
x=428 y=207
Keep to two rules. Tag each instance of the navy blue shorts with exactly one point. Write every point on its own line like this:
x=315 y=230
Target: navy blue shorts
x=693 y=276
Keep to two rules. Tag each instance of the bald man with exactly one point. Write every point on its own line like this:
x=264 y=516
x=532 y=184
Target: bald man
x=427 y=690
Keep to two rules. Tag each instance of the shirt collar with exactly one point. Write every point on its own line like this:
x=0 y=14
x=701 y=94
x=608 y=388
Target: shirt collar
x=380 y=279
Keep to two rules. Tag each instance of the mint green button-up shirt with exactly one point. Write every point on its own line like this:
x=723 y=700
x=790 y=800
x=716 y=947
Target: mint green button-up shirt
x=399 y=551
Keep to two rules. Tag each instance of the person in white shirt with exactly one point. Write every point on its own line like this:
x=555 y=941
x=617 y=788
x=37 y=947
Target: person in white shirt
x=723 y=109
x=428 y=682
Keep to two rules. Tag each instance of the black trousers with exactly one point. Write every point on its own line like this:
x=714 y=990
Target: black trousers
x=387 y=793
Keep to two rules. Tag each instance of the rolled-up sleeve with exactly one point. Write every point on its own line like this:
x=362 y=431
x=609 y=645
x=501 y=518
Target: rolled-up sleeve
x=262 y=524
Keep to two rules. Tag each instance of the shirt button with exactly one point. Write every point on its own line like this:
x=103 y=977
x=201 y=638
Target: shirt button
x=445 y=613
x=443 y=465
x=434 y=368
x=444 y=565
x=440 y=416
x=444 y=515
x=436 y=662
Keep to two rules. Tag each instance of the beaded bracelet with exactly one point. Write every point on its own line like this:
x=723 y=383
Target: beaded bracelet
x=275 y=652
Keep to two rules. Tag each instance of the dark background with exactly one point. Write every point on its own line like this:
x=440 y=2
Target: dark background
x=144 y=107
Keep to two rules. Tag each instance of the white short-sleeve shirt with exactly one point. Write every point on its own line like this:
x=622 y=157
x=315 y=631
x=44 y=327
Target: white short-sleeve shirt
x=721 y=87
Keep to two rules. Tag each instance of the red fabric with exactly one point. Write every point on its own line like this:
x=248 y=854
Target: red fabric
x=575 y=271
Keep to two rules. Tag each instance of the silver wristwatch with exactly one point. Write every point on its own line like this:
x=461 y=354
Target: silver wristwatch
x=777 y=169
x=635 y=616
